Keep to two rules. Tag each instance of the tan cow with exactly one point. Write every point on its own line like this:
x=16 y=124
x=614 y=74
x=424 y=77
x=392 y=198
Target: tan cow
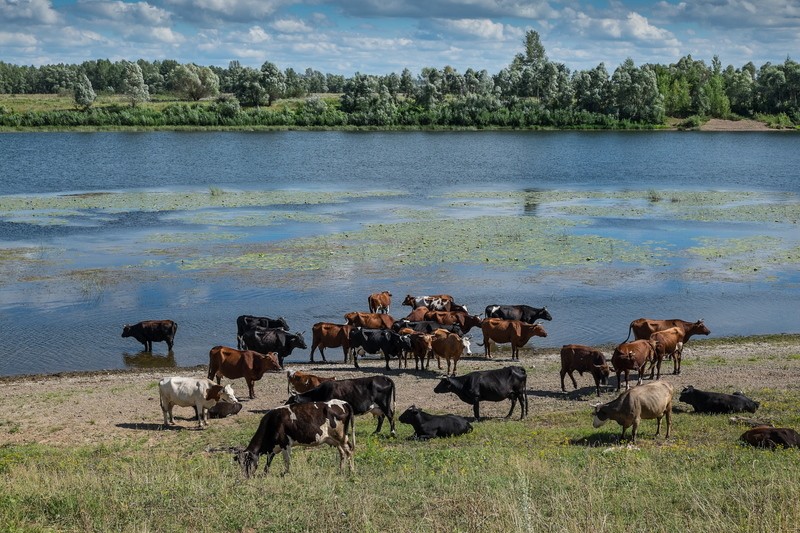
x=298 y=381
x=328 y=335
x=379 y=302
x=632 y=355
x=234 y=364
x=653 y=400
x=514 y=331
x=449 y=346
x=369 y=320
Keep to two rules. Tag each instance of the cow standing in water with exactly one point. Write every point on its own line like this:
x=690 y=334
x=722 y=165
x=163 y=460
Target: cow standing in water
x=149 y=331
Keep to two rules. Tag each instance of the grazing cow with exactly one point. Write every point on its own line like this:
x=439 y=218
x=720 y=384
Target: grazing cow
x=583 y=359
x=248 y=322
x=425 y=326
x=374 y=395
x=372 y=341
x=524 y=313
x=417 y=314
x=464 y=320
x=632 y=355
x=369 y=320
x=273 y=340
x=489 y=385
x=311 y=424
x=379 y=302
x=645 y=402
x=437 y=302
x=717 y=402
x=149 y=331
x=668 y=344
x=642 y=328
x=514 y=331
x=449 y=346
x=223 y=409
x=299 y=381
x=771 y=438
x=200 y=393
x=427 y=426
x=235 y=364
x=327 y=335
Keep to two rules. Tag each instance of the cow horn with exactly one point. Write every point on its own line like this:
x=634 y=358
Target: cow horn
x=595 y=405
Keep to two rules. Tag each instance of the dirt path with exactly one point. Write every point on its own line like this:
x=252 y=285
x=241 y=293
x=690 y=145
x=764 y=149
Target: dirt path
x=718 y=124
x=99 y=408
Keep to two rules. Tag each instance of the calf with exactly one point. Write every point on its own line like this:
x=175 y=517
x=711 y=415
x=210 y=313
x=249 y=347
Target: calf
x=644 y=402
x=489 y=385
x=299 y=381
x=149 y=331
x=374 y=395
x=310 y=424
x=421 y=347
x=717 y=402
x=199 y=393
x=771 y=438
x=328 y=335
x=379 y=302
x=223 y=409
x=248 y=322
x=235 y=364
x=427 y=426
x=583 y=359
x=449 y=346
x=632 y=355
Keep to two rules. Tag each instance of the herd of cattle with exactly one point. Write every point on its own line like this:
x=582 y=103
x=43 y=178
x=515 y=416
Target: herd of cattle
x=321 y=410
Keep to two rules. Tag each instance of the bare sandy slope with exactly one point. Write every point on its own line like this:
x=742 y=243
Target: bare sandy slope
x=100 y=408
x=718 y=124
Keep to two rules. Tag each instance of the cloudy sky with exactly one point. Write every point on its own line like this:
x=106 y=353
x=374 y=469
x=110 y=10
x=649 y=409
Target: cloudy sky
x=382 y=36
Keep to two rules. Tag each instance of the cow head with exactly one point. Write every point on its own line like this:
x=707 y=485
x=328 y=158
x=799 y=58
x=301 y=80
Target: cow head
x=283 y=324
x=267 y=363
x=686 y=394
x=545 y=314
x=126 y=330
x=448 y=384
x=409 y=300
x=699 y=328
x=600 y=415
x=248 y=461
x=297 y=341
x=410 y=415
x=466 y=344
x=221 y=394
x=601 y=371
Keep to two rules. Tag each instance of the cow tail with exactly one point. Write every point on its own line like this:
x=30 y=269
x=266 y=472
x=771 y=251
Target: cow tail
x=630 y=329
x=351 y=419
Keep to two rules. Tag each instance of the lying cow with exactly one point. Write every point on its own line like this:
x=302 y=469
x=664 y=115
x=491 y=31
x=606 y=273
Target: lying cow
x=299 y=381
x=717 y=402
x=771 y=438
x=310 y=424
x=149 y=331
x=427 y=426
x=223 y=409
x=644 y=402
x=489 y=385
x=200 y=393
x=583 y=359
x=374 y=395
x=235 y=364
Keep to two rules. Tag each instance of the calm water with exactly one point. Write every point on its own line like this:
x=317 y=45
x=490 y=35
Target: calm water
x=45 y=328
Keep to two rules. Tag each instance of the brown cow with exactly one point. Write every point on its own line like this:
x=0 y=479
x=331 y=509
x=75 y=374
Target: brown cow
x=234 y=364
x=300 y=381
x=632 y=355
x=369 y=320
x=514 y=331
x=379 y=302
x=449 y=346
x=642 y=328
x=417 y=314
x=771 y=438
x=421 y=348
x=327 y=335
x=669 y=344
x=583 y=359
x=464 y=320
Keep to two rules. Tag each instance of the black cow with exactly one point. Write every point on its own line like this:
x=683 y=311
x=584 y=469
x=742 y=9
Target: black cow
x=372 y=341
x=717 y=402
x=771 y=438
x=425 y=326
x=248 y=322
x=223 y=409
x=150 y=331
x=265 y=340
x=524 y=313
x=374 y=395
x=427 y=426
x=489 y=385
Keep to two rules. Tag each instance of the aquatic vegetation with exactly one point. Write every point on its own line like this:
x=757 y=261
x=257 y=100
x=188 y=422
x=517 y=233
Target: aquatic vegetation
x=250 y=219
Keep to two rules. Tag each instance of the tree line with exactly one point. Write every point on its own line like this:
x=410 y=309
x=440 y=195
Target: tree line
x=531 y=92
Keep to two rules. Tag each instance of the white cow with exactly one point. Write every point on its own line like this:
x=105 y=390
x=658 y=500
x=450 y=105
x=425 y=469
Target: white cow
x=200 y=393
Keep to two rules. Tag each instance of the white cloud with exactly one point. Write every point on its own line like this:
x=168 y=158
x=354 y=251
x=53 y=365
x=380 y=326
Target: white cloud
x=256 y=34
x=166 y=35
x=33 y=11
x=291 y=26
x=482 y=28
x=17 y=39
x=632 y=27
x=124 y=12
x=227 y=10
x=451 y=9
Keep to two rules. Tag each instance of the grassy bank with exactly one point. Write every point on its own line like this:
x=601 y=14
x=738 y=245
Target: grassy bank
x=549 y=472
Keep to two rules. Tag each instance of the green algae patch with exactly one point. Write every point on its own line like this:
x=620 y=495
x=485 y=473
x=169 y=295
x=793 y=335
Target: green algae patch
x=191 y=238
x=175 y=201
x=715 y=248
x=237 y=219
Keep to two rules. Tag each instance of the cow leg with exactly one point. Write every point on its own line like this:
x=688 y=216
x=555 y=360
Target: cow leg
x=455 y=363
x=169 y=345
x=669 y=419
x=676 y=361
x=634 y=427
x=658 y=425
x=476 y=410
x=380 y=424
x=287 y=458
x=268 y=462
x=250 y=384
x=524 y=401
x=513 y=404
x=167 y=412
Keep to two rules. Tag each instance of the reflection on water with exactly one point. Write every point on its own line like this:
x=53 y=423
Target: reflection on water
x=149 y=360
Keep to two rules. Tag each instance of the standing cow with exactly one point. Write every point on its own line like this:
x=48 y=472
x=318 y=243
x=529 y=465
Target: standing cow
x=328 y=335
x=200 y=393
x=235 y=364
x=489 y=385
x=644 y=402
x=516 y=332
x=524 y=313
x=273 y=340
x=379 y=302
x=632 y=355
x=247 y=322
x=149 y=331
x=310 y=424
x=449 y=346
x=583 y=359
x=642 y=328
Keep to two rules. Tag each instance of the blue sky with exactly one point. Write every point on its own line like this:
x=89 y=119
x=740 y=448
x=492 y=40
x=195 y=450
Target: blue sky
x=382 y=36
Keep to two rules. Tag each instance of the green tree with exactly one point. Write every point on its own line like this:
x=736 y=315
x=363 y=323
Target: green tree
x=635 y=93
x=133 y=85
x=194 y=82
x=83 y=93
x=273 y=81
x=247 y=87
x=591 y=88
